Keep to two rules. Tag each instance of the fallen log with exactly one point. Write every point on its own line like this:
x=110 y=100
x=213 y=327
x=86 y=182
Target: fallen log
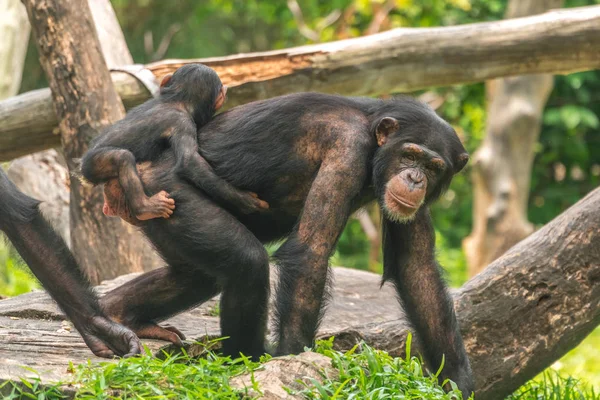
x=399 y=60
x=522 y=313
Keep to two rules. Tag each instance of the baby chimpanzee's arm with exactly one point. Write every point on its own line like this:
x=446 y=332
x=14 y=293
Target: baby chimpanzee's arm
x=194 y=168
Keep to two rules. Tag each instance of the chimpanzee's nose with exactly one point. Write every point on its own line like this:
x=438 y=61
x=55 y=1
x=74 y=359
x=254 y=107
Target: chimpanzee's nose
x=416 y=177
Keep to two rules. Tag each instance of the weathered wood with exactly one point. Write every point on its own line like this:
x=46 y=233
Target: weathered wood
x=399 y=60
x=112 y=41
x=84 y=100
x=37 y=338
x=501 y=167
x=518 y=316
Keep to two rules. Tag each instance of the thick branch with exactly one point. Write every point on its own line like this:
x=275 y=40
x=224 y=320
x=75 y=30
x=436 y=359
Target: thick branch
x=560 y=41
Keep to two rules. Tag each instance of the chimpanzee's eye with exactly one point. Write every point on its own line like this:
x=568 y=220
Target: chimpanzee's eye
x=410 y=157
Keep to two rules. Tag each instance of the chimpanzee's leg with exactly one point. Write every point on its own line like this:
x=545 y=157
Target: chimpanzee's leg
x=303 y=260
x=53 y=264
x=208 y=250
x=157 y=295
x=409 y=262
x=102 y=164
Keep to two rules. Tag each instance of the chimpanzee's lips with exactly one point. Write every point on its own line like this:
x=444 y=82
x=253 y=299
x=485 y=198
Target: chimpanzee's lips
x=402 y=202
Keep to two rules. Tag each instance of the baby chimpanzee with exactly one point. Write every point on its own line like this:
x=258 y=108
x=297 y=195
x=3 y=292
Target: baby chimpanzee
x=187 y=101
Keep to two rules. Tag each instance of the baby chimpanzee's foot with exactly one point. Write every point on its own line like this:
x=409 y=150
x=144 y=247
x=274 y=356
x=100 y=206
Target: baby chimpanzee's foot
x=158 y=206
x=155 y=331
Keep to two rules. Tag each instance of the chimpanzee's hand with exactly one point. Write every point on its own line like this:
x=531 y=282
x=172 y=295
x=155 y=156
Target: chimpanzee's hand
x=109 y=339
x=248 y=202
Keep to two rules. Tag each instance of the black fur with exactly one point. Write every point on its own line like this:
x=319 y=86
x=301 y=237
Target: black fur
x=187 y=102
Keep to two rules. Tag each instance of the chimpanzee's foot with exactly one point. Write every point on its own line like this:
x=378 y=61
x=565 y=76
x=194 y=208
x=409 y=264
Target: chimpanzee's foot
x=155 y=331
x=158 y=206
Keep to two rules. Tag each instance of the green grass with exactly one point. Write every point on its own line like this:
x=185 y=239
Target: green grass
x=364 y=374
x=374 y=374
x=361 y=373
x=552 y=386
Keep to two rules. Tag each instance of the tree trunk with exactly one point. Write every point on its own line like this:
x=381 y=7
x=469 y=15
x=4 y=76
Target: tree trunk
x=561 y=41
x=502 y=165
x=85 y=101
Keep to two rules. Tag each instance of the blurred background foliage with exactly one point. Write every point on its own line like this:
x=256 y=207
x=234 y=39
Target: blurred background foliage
x=567 y=163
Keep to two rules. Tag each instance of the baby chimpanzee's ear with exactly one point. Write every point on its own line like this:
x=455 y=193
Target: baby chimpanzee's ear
x=165 y=80
x=460 y=163
x=386 y=127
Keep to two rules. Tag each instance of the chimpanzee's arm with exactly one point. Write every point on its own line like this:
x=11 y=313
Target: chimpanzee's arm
x=193 y=167
x=409 y=263
x=304 y=258
x=54 y=265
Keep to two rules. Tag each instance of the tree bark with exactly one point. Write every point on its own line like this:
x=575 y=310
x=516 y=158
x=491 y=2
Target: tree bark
x=84 y=101
x=399 y=60
x=502 y=165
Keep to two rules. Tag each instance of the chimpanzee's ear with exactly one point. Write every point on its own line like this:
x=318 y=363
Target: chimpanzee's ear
x=166 y=79
x=386 y=127
x=460 y=163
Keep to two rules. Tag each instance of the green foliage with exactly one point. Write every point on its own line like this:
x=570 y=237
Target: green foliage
x=552 y=386
x=31 y=388
x=353 y=248
x=360 y=373
x=567 y=164
x=582 y=361
x=175 y=376
x=366 y=373
x=15 y=278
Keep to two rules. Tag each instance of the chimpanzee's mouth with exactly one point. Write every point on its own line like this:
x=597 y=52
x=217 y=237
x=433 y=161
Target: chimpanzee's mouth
x=402 y=202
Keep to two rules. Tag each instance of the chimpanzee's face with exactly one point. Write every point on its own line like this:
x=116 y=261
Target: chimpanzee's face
x=415 y=163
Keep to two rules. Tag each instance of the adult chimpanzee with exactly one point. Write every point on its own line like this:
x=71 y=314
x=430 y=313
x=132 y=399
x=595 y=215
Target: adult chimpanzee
x=53 y=264
x=187 y=101
x=315 y=158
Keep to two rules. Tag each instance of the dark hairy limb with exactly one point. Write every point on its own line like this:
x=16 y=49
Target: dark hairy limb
x=155 y=296
x=304 y=259
x=102 y=164
x=409 y=263
x=54 y=265
x=194 y=168
x=217 y=255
